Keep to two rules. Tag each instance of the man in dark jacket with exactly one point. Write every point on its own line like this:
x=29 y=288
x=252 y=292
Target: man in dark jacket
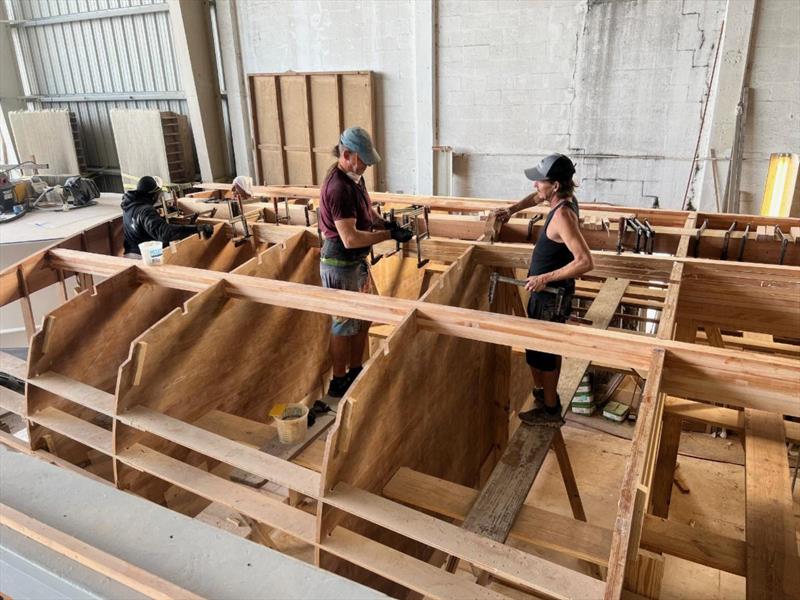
x=142 y=223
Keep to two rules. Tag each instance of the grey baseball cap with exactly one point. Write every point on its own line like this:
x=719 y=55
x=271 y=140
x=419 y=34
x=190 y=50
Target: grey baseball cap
x=555 y=167
x=359 y=141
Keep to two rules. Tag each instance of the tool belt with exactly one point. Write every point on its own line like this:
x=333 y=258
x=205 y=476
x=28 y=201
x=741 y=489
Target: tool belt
x=334 y=254
x=339 y=262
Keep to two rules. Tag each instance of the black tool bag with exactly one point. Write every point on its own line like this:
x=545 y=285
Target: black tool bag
x=82 y=191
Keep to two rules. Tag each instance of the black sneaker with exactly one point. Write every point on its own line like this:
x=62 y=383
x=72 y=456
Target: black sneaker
x=320 y=408
x=353 y=373
x=538 y=397
x=543 y=416
x=338 y=386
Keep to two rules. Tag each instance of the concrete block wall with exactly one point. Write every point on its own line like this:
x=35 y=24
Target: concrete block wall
x=773 y=121
x=617 y=84
x=351 y=35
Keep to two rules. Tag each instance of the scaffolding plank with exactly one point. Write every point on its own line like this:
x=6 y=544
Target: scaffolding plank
x=501 y=499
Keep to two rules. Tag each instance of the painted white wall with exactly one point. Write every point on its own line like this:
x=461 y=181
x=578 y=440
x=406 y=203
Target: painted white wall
x=617 y=84
x=345 y=35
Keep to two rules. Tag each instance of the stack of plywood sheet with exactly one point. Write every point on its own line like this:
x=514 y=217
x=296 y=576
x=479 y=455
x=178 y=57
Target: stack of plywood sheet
x=153 y=142
x=51 y=137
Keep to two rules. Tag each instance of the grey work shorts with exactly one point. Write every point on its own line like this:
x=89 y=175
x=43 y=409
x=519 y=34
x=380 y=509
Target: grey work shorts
x=354 y=278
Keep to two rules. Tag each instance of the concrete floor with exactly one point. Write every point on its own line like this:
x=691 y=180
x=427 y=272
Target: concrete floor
x=195 y=556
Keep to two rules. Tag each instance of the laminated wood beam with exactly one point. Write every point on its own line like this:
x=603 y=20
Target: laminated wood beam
x=464 y=204
x=507 y=563
x=728 y=418
x=220 y=448
x=772 y=561
x=697 y=545
x=691 y=371
x=633 y=491
x=95 y=559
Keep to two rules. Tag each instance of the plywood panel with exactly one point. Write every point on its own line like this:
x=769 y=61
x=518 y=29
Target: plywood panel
x=441 y=415
x=298 y=118
x=139 y=139
x=326 y=119
x=357 y=110
x=46 y=135
x=244 y=356
x=296 y=127
x=265 y=103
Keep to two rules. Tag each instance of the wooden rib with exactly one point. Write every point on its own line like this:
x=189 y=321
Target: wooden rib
x=772 y=561
x=74 y=428
x=95 y=559
x=215 y=446
x=248 y=501
x=503 y=561
x=76 y=391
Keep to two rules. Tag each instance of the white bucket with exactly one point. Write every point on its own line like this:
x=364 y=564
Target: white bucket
x=152 y=253
x=292 y=424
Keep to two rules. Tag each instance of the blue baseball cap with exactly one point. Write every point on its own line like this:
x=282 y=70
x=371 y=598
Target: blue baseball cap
x=357 y=140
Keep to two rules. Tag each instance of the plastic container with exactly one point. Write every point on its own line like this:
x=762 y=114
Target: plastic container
x=152 y=253
x=292 y=424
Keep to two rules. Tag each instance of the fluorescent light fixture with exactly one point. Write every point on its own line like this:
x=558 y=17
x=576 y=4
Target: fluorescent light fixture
x=780 y=186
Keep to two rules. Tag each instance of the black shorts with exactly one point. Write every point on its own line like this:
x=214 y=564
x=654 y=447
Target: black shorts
x=542 y=306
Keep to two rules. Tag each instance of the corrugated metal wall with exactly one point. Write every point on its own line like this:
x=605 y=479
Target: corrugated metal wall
x=90 y=56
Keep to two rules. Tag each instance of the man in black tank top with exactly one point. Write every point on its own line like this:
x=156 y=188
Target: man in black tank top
x=560 y=255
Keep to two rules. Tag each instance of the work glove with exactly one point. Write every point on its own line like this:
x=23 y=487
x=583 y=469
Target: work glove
x=205 y=230
x=390 y=225
x=402 y=235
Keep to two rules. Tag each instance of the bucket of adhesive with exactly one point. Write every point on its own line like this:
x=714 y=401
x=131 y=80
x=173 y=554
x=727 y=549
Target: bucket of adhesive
x=292 y=423
x=152 y=253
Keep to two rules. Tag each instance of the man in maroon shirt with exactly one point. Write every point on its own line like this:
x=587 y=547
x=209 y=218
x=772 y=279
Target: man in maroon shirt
x=350 y=227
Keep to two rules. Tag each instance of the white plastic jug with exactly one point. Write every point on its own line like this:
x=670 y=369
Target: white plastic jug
x=152 y=253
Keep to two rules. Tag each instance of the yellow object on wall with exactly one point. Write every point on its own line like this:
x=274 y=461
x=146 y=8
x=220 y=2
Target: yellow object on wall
x=780 y=191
